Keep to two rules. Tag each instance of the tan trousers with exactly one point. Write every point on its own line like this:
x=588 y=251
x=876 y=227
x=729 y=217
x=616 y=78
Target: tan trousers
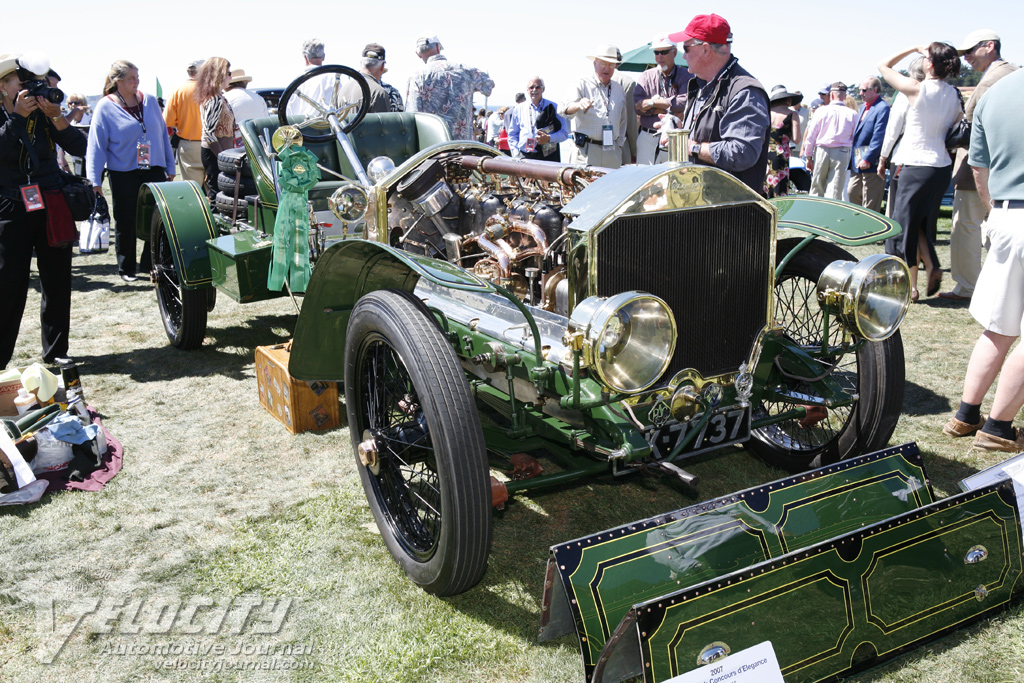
x=596 y=155
x=866 y=189
x=965 y=241
x=647 y=151
x=828 y=179
x=190 y=161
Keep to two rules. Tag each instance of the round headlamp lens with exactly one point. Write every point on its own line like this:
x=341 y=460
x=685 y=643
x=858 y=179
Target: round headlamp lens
x=871 y=296
x=632 y=337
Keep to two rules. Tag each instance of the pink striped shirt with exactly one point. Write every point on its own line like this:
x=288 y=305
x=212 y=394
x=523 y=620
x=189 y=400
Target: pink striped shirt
x=832 y=126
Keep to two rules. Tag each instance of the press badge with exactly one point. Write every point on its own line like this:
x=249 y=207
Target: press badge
x=32 y=198
x=606 y=135
x=142 y=153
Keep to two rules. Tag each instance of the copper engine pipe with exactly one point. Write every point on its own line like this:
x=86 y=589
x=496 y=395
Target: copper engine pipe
x=531 y=168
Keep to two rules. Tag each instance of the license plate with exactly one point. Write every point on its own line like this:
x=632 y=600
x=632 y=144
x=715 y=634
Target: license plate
x=725 y=427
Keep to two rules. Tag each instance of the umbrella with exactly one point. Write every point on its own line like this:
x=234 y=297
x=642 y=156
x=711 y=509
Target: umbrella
x=642 y=58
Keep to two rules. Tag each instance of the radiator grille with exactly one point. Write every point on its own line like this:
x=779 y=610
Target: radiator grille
x=712 y=266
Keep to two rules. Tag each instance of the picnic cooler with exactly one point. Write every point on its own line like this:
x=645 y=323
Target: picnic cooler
x=300 y=406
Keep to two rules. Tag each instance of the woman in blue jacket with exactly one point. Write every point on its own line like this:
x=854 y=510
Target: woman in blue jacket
x=128 y=137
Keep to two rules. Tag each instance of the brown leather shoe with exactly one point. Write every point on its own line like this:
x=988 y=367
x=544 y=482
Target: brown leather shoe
x=953 y=296
x=957 y=428
x=988 y=443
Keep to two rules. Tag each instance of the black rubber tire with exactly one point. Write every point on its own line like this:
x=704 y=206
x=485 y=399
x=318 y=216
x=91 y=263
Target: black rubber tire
x=876 y=373
x=183 y=311
x=224 y=203
x=226 y=162
x=226 y=184
x=308 y=133
x=431 y=493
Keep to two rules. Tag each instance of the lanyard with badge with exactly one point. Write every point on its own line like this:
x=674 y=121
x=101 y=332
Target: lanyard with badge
x=142 y=146
x=31 y=196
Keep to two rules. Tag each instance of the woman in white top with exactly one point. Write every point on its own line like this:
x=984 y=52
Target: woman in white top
x=922 y=163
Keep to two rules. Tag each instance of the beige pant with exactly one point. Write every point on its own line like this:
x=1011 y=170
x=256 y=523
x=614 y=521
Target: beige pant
x=190 y=161
x=829 y=176
x=647 y=151
x=596 y=155
x=965 y=241
x=866 y=189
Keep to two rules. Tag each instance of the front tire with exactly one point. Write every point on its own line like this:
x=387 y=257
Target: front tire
x=419 y=444
x=183 y=311
x=875 y=373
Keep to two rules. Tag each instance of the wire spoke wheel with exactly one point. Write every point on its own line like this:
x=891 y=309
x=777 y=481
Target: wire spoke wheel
x=873 y=375
x=418 y=442
x=183 y=311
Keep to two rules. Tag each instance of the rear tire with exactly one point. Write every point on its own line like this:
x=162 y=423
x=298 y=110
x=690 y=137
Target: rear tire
x=875 y=373
x=407 y=396
x=183 y=311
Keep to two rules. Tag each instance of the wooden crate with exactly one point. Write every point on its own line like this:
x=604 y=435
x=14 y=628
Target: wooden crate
x=300 y=406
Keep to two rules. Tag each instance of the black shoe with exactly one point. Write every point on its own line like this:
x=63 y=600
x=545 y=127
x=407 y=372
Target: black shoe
x=127 y=278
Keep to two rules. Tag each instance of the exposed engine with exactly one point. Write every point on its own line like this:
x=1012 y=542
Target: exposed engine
x=497 y=217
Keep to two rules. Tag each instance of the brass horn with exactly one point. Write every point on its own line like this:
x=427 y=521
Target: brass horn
x=285 y=137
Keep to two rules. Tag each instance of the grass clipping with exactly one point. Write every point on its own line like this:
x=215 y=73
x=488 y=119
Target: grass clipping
x=227 y=549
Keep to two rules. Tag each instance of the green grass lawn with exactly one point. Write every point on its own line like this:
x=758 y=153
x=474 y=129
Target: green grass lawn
x=227 y=549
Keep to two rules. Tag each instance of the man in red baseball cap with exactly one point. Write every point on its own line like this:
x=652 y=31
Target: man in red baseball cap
x=726 y=108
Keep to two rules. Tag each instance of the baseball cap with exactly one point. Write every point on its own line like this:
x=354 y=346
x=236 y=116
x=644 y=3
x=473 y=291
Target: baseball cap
x=710 y=28
x=975 y=37
x=425 y=42
x=374 y=51
x=661 y=42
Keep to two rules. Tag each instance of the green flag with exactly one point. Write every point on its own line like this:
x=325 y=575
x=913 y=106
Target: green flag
x=159 y=90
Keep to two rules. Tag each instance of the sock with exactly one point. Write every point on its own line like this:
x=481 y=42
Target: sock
x=1001 y=428
x=969 y=413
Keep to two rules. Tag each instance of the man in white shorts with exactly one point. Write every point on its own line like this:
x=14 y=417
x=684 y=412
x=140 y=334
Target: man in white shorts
x=997 y=160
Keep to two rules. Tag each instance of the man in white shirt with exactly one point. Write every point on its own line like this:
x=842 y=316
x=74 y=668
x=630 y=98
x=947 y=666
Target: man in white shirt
x=598 y=111
x=246 y=105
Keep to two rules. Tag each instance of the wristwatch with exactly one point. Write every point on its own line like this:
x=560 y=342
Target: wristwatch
x=56 y=118
x=695 y=149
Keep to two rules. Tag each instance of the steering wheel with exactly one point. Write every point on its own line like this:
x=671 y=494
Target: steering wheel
x=347 y=114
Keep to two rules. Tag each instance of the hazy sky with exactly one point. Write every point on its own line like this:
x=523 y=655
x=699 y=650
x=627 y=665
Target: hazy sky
x=801 y=45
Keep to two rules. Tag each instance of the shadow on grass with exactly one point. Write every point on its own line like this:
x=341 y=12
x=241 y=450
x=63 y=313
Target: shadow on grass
x=168 y=363
x=919 y=400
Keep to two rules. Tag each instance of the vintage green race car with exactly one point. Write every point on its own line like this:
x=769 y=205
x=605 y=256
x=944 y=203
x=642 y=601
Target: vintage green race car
x=605 y=322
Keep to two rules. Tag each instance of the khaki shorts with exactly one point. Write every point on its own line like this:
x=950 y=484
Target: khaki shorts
x=998 y=301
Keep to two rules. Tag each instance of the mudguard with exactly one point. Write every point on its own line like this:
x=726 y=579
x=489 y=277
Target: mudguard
x=840 y=222
x=189 y=224
x=839 y=569
x=346 y=272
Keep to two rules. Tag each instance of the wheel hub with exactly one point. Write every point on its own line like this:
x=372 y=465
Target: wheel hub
x=368 y=452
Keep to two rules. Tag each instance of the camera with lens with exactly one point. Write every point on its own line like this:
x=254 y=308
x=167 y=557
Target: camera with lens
x=40 y=88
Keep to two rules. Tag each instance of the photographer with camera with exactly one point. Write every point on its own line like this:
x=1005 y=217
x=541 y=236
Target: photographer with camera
x=33 y=212
x=128 y=137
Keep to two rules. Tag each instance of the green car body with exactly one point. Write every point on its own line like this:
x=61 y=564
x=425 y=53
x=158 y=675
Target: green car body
x=609 y=321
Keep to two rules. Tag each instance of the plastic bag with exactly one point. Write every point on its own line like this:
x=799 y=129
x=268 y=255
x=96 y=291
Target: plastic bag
x=94 y=237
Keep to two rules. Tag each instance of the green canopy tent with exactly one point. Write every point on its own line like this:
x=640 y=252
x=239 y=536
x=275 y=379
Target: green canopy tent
x=642 y=58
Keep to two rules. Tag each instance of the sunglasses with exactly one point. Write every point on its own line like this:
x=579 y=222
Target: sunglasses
x=662 y=53
x=686 y=48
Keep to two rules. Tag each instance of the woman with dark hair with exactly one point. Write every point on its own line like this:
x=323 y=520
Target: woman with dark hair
x=128 y=137
x=32 y=209
x=218 y=117
x=922 y=163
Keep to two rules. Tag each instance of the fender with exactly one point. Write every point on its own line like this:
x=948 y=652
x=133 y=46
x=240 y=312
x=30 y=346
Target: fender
x=346 y=272
x=837 y=221
x=186 y=216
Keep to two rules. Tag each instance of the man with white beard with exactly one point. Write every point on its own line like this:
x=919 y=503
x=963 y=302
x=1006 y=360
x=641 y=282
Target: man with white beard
x=659 y=90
